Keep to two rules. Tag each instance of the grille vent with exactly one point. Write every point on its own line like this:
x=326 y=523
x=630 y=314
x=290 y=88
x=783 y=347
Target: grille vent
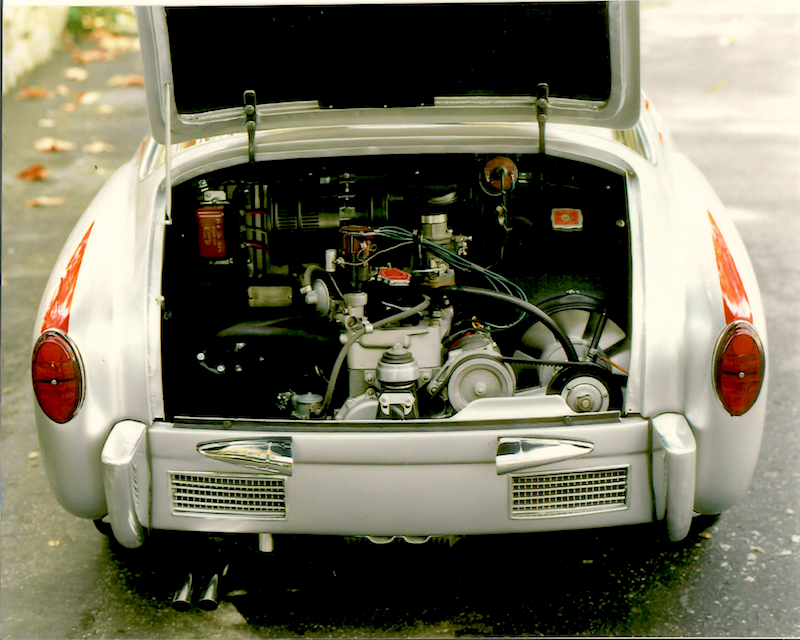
x=230 y=495
x=564 y=493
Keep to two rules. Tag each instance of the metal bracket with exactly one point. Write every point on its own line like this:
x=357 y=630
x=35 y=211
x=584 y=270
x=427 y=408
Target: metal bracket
x=168 y=150
x=250 y=119
x=542 y=111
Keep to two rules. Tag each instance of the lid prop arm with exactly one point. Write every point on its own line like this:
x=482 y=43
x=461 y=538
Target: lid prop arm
x=542 y=111
x=168 y=150
x=250 y=118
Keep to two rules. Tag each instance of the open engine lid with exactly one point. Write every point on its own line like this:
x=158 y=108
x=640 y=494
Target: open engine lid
x=404 y=63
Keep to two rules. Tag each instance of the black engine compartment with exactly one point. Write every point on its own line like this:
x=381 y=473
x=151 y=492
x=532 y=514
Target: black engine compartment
x=238 y=337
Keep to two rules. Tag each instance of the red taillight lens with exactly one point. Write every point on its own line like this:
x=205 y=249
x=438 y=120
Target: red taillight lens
x=738 y=367
x=57 y=376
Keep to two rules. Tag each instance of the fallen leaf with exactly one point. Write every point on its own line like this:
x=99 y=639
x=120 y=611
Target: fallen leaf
x=34 y=93
x=69 y=107
x=47 y=123
x=48 y=143
x=112 y=42
x=785 y=552
x=62 y=90
x=34 y=172
x=46 y=201
x=715 y=88
x=92 y=55
x=98 y=33
x=33 y=463
x=33 y=455
x=129 y=80
x=706 y=535
x=98 y=146
x=54 y=543
x=105 y=109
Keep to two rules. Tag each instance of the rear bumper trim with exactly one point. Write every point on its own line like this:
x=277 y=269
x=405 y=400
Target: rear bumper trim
x=125 y=444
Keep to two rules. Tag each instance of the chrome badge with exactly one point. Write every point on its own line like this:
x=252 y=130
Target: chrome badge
x=273 y=455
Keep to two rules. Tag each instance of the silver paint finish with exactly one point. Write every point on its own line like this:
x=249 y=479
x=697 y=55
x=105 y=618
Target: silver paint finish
x=403 y=483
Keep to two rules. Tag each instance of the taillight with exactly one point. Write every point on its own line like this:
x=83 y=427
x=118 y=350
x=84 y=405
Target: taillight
x=57 y=376
x=738 y=367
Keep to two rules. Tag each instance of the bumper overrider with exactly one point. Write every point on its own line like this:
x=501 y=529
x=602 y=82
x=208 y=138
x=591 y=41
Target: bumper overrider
x=434 y=479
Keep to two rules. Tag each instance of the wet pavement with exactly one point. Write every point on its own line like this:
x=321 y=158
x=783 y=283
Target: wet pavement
x=726 y=76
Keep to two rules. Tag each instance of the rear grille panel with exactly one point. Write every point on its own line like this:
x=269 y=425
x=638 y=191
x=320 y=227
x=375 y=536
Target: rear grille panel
x=228 y=495
x=566 y=493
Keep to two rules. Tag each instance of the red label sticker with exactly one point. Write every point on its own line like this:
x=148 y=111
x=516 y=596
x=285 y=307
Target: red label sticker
x=567 y=219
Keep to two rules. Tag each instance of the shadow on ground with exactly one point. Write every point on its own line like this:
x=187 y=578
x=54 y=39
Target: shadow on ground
x=569 y=583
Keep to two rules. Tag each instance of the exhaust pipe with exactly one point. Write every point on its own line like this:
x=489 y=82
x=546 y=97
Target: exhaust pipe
x=209 y=600
x=183 y=597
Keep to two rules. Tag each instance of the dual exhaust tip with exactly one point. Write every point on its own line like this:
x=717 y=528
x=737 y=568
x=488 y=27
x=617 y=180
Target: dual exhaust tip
x=209 y=596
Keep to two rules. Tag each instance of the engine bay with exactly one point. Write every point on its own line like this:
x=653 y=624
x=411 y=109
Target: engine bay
x=395 y=287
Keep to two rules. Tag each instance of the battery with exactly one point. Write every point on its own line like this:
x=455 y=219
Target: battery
x=211 y=232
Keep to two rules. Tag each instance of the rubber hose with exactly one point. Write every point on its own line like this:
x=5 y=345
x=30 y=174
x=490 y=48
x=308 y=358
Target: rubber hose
x=305 y=279
x=531 y=310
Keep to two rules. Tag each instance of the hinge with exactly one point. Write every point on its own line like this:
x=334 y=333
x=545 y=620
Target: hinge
x=542 y=111
x=250 y=120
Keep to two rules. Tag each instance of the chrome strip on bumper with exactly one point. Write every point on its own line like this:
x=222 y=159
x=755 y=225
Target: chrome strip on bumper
x=126 y=478
x=516 y=454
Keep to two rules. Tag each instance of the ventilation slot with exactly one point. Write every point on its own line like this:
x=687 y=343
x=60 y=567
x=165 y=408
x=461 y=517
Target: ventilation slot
x=240 y=495
x=565 y=493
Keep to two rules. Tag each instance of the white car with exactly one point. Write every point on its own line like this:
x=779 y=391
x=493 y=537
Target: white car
x=451 y=280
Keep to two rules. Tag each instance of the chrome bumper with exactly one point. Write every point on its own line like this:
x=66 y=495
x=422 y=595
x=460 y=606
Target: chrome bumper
x=126 y=481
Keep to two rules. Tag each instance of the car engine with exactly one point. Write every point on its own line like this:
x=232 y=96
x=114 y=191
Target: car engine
x=395 y=287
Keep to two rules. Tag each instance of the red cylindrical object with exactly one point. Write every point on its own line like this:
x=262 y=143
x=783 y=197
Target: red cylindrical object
x=211 y=232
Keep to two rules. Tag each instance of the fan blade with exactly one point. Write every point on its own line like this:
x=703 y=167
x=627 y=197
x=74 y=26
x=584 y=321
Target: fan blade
x=573 y=322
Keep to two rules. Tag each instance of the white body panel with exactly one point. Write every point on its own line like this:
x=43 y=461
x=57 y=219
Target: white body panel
x=341 y=478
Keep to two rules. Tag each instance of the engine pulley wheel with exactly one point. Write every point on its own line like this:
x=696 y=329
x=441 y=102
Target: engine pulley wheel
x=585 y=394
x=585 y=388
x=479 y=377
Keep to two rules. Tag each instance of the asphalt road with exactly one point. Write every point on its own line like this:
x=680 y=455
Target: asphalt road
x=726 y=76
